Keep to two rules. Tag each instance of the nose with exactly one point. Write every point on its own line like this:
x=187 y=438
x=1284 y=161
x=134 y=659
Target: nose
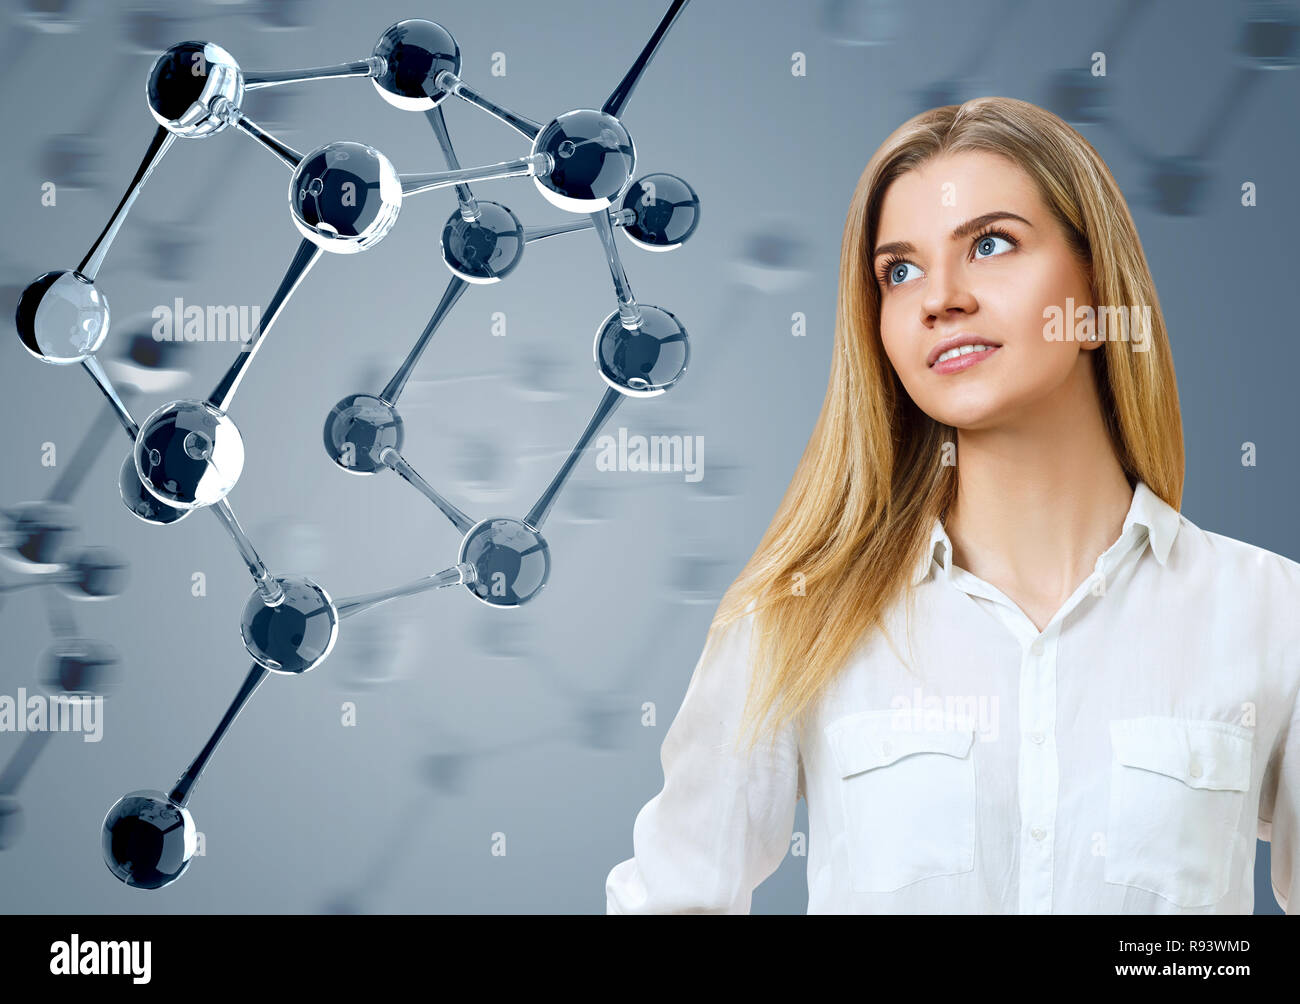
x=946 y=289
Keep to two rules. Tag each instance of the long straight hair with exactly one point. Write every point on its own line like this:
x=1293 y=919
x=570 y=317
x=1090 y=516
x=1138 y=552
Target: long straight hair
x=858 y=512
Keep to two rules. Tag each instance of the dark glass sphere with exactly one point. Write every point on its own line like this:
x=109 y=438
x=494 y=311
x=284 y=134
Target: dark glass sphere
x=644 y=361
x=144 y=504
x=62 y=317
x=37 y=534
x=512 y=561
x=359 y=429
x=97 y=573
x=483 y=250
x=148 y=840
x=186 y=85
x=81 y=666
x=667 y=211
x=344 y=197
x=295 y=635
x=593 y=156
x=189 y=454
x=414 y=53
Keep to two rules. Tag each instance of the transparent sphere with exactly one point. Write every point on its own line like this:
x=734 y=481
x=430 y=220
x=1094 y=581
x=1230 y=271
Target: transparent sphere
x=594 y=159
x=62 y=317
x=667 y=212
x=513 y=561
x=189 y=86
x=189 y=454
x=144 y=505
x=487 y=249
x=36 y=534
x=414 y=53
x=11 y=821
x=81 y=666
x=148 y=839
x=359 y=429
x=344 y=197
x=295 y=635
x=97 y=573
x=644 y=361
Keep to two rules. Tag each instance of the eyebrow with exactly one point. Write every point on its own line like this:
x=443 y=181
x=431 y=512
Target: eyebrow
x=962 y=230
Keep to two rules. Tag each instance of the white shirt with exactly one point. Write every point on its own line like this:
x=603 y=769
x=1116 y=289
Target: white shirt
x=1122 y=760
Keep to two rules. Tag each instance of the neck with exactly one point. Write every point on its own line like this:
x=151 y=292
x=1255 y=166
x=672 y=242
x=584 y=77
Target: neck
x=1040 y=497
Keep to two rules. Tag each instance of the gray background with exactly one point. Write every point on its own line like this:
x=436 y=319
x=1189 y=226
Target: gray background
x=528 y=724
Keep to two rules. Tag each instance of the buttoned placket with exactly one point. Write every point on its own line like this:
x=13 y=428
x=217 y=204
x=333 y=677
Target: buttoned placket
x=1038 y=764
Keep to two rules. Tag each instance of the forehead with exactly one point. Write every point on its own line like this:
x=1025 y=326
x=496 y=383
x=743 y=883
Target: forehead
x=951 y=188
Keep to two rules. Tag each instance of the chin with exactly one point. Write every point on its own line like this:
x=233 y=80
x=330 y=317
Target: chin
x=977 y=413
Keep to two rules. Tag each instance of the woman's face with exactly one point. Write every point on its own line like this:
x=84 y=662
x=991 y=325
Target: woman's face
x=982 y=256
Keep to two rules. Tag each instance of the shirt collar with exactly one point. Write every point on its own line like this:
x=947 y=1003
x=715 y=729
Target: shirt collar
x=1148 y=510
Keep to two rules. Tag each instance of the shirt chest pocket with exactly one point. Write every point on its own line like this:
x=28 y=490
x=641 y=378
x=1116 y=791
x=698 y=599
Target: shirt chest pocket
x=908 y=798
x=1177 y=790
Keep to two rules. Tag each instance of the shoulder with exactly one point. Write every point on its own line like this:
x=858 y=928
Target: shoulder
x=1196 y=549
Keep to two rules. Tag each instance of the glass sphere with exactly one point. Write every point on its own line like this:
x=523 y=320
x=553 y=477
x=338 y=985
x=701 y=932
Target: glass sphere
x=593 y=160
x=344 y=197
x=414 y=53
x=11 y=821
x=359 y=429
x=644 y=361
x=485 y=250
x=37 y=533
x=148 y=839
x=97 y=573
x=189 y=454
x=512 y=561
x=295 y=635
x=81 y=666
x=62 y=317
x=667 y=212
x=185 y=84
x=144 y=505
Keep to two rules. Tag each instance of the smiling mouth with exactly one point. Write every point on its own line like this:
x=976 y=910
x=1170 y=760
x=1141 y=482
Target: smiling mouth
x=963 y=350
x=963 y=357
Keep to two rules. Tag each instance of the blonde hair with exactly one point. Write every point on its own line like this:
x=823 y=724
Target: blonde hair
x=858 y=512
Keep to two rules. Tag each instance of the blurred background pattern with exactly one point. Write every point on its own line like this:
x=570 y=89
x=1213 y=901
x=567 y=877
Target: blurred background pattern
x=471 y=721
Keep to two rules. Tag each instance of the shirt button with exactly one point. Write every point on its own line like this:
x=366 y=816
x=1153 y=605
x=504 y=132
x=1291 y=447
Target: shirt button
x=1037 y=647
x=886 y=748
x=1036 y=833
x=1036 y=736
x=1196 y=770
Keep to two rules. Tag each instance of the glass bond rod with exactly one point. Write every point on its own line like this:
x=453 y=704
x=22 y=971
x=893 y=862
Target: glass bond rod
x=469 y=209
x=617 y=100
x=628 y=311
x=90 y=265
x=397 y=462
x=540 y=233
x=464 y=572
x=538 y=513
x=303 y=259
x=453 y=292
x=92 y=366
x=448 y=81
x=272 y=592
x=180 y=794
x=534 y=165
x=369 y=67
x=236 y=117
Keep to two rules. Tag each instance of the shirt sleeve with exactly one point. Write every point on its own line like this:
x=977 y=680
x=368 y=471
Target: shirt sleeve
x=1279 y=815
x=722 y=822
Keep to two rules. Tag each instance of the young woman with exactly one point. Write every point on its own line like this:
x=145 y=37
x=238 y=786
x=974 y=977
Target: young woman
x=1003 y=670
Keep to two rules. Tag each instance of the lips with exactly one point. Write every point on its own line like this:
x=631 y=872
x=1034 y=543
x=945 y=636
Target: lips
x=956 y=342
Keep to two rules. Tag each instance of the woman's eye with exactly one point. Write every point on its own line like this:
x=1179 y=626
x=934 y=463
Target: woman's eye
x=898 y=272
x=987 y=246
